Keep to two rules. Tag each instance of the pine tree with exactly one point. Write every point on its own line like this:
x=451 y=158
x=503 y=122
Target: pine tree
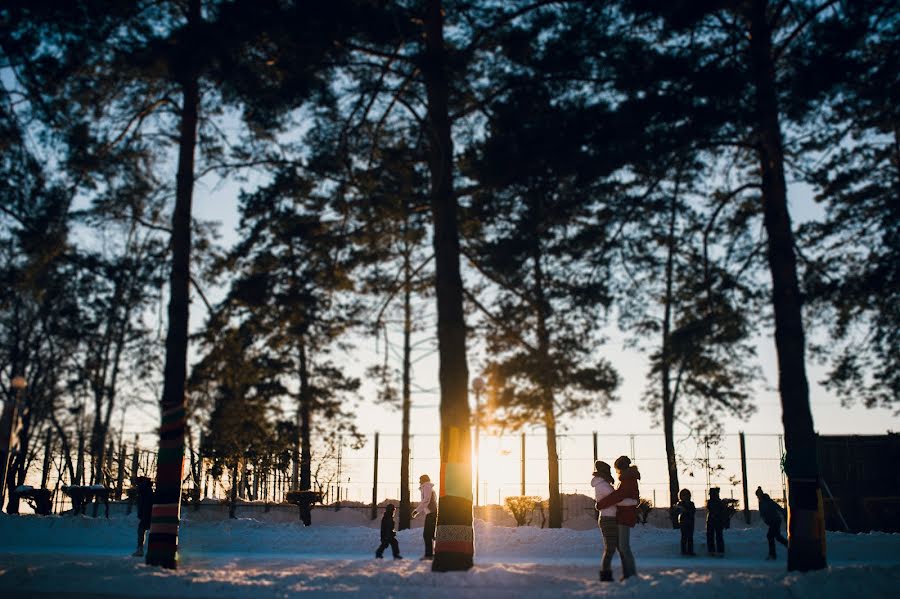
x=746 y=68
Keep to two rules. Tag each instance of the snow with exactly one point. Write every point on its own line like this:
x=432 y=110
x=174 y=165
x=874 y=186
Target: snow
x=81 y=556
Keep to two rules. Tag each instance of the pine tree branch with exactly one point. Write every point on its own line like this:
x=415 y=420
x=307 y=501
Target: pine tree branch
x=781 y=48
x=494 y=278
x=496 y=320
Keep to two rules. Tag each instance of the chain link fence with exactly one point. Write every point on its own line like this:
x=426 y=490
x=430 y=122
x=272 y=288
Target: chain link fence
x=506 y=465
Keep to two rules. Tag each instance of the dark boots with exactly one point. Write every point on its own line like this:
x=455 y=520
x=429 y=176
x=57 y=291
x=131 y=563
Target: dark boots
x=606 y=576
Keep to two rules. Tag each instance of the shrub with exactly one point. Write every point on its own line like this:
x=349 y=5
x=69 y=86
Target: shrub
x=521 y=507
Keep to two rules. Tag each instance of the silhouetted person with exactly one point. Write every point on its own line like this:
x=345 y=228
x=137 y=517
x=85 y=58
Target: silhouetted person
x=715 y=523
x=388 y=536
x=625 y=498
x=427 y=506
x=686 y=513
x=609 y=527
x=771 y=514
x=144 y=511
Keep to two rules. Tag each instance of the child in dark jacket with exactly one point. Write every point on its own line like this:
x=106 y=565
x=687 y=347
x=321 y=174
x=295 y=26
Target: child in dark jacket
x=144 y=511
x=388 y=536
x=771 y=514
x=715 y=523
x=686 y=512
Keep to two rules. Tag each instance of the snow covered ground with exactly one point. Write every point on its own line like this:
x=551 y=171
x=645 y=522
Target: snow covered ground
x=86 y=557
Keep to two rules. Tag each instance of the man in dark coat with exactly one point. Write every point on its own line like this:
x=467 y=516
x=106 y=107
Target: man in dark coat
x=715 y=523
x=144 y=510
x=771 y=514
x=388 y=536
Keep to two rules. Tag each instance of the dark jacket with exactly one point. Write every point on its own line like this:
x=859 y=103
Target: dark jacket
x=387 y=527
x=715 y=509
x=686 y=513
x=145 y=502
x=626 y=515
x=769 y=510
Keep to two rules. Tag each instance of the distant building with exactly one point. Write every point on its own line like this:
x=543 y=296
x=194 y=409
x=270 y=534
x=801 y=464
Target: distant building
x=863 y=474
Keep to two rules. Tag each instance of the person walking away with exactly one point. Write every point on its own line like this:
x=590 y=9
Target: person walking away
x=625 y=498
x=144 y=511
x=686 y=513
x=609 y=527
x=428 y=507
x=771 y=514
x=715 y=524
x=388 y=536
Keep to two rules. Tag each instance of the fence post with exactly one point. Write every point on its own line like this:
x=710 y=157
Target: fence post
x=135 y=460
x=79 y=464
x=708 y=465
x=105 y=480
x=781 y=468
x=375 y=482
x=45 y=472
x=744 y=478
x=120 y=474
x=337 y=504
x=523 y=464
x=595 y=446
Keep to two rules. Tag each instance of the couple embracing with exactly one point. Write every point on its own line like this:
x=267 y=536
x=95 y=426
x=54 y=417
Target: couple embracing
x=618 y=513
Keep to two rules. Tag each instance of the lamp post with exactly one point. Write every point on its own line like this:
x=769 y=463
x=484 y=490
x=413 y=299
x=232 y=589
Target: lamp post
x=477 y=387
x=8 y=429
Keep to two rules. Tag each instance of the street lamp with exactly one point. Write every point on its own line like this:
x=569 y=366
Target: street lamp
x=8 y=428
x=477 y=387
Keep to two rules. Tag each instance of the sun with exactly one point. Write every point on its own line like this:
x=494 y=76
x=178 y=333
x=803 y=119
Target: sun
x=497 y=469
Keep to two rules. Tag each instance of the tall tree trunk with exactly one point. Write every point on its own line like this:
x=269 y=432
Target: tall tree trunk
x=668 y=401
x=163 y=540
x=404 y=520
x=806 y=532
x=554 y=519
x=17 y=469
x=66 y=448
x=295 y=457
x=543 y=335
x=305 y=421
x=455 y=540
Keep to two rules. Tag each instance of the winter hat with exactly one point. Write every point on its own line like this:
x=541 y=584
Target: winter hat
x=600 y=466
x=602 y=470
x=759 y=492
x=684 y=495
x=424 y=479
x=622 y=462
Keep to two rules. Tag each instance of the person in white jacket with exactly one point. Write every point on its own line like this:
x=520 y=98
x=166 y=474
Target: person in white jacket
x=609 y=528
x=428 y=507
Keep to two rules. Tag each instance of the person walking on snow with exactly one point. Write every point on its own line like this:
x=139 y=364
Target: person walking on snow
x=715 y=524
x=144 y=511
x=625 y=498
x=771 y=514
x=388 y=536
x=686 y=512
x=609 y=527
x=427 y=506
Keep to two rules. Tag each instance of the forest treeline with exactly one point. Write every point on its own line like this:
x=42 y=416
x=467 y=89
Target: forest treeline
x=516 y=176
